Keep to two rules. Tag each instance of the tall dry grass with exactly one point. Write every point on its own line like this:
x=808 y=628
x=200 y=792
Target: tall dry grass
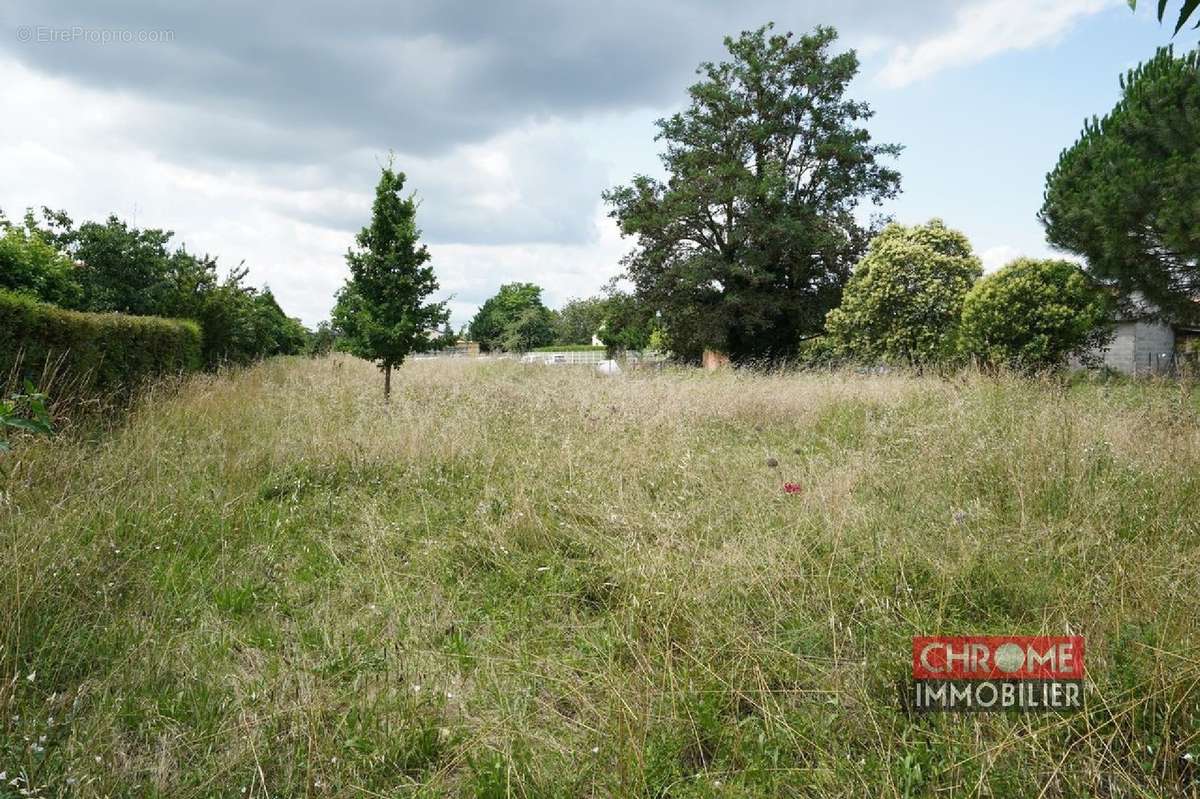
x=537 y=582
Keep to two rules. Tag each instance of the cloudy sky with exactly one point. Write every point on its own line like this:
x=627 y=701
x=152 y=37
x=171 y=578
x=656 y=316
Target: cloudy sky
x=255 y=130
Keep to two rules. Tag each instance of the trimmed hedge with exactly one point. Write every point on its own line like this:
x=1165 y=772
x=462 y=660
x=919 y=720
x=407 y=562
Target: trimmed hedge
x=97 y=352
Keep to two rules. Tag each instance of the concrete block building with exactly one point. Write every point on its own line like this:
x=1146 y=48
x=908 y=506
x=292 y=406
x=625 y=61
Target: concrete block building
x=1145 y=344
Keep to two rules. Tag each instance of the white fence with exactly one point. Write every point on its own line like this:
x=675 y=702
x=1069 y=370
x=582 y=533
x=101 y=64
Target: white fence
x=568 y=357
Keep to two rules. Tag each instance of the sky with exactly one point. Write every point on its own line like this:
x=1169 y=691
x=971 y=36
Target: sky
x=255 y=132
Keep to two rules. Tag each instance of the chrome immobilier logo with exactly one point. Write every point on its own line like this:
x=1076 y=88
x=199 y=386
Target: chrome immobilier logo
x=996 y=673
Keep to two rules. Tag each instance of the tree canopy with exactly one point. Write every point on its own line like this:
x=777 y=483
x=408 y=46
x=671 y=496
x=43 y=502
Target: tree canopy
x=579 y=320
x=628 y=323
x=1125 y=196
x=747 y=243
x=514 y=320
x=1034 y=315
x=30 y=265
x=902 y=304
x=382 y=309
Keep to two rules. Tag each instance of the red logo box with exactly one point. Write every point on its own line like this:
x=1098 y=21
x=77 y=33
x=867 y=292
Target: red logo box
x=997 y=657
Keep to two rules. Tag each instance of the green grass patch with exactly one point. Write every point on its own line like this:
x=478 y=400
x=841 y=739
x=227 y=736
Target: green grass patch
x=510 y=582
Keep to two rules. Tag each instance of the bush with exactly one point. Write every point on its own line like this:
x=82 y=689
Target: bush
x=1035 y=315
x=816 y=353
x=31 y=266
x=903 y=303
x=98 y=352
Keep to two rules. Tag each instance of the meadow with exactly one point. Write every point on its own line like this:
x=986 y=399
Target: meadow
x=533 y=581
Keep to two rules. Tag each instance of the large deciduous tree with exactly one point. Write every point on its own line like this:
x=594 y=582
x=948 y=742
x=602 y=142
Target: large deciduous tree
x=904 y=301
x=746 y=244
x=382 y=308
x=1126 y=195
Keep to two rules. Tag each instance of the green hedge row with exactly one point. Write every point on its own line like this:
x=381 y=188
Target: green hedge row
x=94 y=352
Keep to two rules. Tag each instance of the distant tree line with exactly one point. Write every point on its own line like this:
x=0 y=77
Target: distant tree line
x=113 y=267
x=515 y=319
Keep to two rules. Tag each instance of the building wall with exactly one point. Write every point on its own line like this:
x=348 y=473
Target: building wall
x=1119 y=353
x=1154 y=348
x=1141 y=348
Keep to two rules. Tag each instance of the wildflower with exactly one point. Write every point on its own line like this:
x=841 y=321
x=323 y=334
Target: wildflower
x=793 y=488
x=960 y=517
x=32 y=676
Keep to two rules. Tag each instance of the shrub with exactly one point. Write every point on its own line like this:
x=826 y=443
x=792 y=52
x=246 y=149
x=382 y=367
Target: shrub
x=31 y=266
x=816 y=353
x=99 y=352
x=1034 y=315
x=903 y=303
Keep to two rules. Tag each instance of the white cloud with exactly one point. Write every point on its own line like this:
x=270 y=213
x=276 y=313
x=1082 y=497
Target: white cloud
x=995 y=257
x=984 y=29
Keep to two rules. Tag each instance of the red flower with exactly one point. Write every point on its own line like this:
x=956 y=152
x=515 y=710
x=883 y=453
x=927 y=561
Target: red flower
x=793 y=488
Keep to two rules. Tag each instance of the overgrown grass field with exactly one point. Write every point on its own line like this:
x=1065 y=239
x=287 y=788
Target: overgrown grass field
x=536 y=582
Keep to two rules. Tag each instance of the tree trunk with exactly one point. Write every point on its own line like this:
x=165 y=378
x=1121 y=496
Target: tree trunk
x=387 y=381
